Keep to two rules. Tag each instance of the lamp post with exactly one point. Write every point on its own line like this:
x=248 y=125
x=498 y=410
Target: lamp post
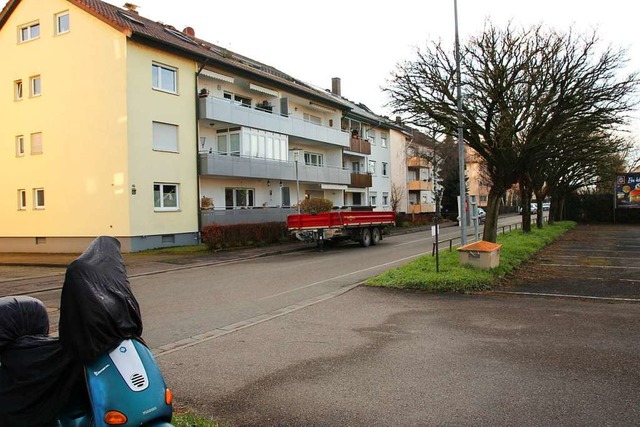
x=463 y=195
x=296 y=156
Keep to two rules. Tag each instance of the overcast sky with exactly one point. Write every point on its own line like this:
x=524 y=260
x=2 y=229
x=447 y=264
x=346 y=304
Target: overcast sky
x=361 y=42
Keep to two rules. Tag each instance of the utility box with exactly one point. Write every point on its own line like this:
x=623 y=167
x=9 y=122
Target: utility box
x=480 y=254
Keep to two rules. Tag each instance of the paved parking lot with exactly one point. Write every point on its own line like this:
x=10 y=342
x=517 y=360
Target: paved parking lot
x=591 y=261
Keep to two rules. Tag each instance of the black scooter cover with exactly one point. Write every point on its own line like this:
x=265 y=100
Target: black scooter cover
x=37 y=377
x=97 y=308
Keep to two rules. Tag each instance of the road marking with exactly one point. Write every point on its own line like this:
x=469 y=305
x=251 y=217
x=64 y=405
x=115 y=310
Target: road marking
x=243 y=324
x=536 y=294
x=591 y=266
x=345 y=275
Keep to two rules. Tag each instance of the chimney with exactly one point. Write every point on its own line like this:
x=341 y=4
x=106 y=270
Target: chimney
x=398 y=120
x=335 y=86
x=131 y=7
x=189 y=31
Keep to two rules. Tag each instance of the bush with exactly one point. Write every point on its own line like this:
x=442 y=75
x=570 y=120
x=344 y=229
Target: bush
x=314 y=206
x=217 y=236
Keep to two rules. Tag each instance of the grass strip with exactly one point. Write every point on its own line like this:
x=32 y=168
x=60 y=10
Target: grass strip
x=517 y=248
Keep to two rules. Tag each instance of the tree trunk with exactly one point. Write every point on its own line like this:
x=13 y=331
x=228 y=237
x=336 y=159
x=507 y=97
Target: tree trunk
x=490 y=232
x=525 y=196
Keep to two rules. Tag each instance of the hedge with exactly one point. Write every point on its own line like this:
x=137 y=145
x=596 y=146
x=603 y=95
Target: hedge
x=217 y=236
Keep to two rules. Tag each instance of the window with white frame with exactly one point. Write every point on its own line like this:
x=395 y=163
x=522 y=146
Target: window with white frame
x=38 y=198
x=228 y=143
x=165 y=137
x=17 y=90
x=313 y=159
x=385 y=169
x=36 y=143
x=35 y=85
x=22 y=199
x=62 y=23
x=371 y=136
x=29 y=32
x=385 y=199
x=383 y=139
x=372 y=167
x=310 y=118
x=166 y=197
x=239 y=198
x=373 y=196
x=164 y=78
x=19 y=145
x=238 y=99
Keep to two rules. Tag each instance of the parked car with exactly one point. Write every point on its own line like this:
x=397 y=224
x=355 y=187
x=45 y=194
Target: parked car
x=533 y=209
x=482 y=215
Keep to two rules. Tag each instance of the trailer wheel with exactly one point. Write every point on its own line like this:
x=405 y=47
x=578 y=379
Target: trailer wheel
x=365 y=238
x=376 y=236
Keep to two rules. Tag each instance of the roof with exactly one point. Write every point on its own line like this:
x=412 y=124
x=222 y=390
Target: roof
x=166 y=37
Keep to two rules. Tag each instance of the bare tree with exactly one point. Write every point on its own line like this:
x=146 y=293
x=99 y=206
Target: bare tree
x=520 y=89
x=396 y=196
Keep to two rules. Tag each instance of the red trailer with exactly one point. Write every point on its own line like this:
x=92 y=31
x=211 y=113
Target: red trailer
x=365 y=227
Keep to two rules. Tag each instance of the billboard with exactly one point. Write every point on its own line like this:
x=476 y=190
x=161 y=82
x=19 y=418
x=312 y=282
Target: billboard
x=628 y=190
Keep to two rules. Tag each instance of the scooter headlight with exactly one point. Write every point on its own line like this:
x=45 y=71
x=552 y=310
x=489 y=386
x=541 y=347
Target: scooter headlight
x=115 y=418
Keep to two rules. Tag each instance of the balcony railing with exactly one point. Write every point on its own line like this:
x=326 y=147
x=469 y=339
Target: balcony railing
x=422 y=208
x=358 y=145
x=417 y=162
x=361 y=180
x=255 y=167
x=420 y=186
x=259 y=117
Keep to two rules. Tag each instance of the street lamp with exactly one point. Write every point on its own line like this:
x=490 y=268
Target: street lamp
x=296 y=152
x=463 y=195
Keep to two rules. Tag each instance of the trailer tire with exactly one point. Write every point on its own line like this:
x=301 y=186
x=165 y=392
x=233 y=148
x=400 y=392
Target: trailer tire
x=365 y=238
x=376 y=236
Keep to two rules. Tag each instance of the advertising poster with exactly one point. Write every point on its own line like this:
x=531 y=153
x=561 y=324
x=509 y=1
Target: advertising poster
x=628 y=191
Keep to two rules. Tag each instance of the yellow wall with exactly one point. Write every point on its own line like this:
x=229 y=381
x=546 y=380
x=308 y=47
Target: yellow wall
x=147 y=166
x=82 y=114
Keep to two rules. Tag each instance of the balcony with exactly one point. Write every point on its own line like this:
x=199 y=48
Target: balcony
x=360 y=180
x=361 y=146
x=417 y=162
x=423 y=208
x=243 y=216
x=254 y=167
x=224 y=110
x=420 y=186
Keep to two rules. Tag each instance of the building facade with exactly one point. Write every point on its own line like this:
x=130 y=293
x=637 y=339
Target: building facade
x=147 y=133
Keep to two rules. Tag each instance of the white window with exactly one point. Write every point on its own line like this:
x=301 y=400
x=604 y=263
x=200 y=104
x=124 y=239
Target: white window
x=313 y=159
x=38 y=198
x=312 y=119
x=36 y=143
x=164 y=78
x=22 y=200
x=20 y=145
x=385 y=169
x=237 y=99
x=239 y=197
x=385 y=199
x=372 y=167
x=383 y=140
x=36 y=85
x=165 y=137
x=371 y=136
x=29 y=32
x=17 y=90
x=166 y=197
x=372 y=198
x=62 y=23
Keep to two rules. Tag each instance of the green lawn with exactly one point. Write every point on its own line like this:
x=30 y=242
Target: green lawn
x=517 y=248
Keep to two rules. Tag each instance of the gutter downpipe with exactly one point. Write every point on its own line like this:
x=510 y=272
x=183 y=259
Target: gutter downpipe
x=199 y=233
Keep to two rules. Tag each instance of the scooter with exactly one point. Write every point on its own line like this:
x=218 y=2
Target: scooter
x=99 y=372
